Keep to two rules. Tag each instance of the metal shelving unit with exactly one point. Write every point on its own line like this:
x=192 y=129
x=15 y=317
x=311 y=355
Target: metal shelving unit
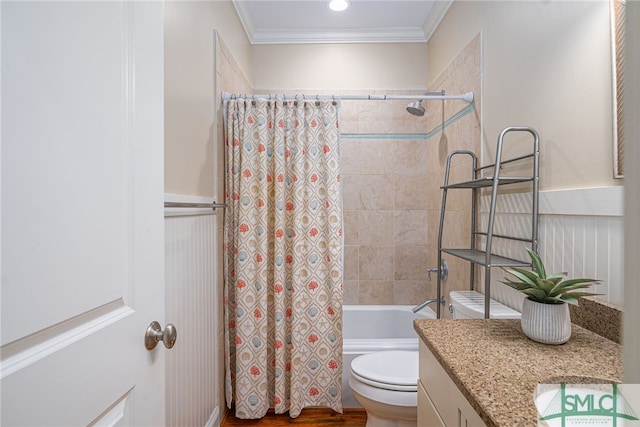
x=483 y=256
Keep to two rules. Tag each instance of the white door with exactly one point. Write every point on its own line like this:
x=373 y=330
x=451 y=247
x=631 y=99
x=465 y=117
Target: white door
x=82 y=215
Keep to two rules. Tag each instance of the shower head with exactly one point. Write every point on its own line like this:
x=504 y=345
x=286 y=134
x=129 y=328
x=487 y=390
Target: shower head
x=416 y=108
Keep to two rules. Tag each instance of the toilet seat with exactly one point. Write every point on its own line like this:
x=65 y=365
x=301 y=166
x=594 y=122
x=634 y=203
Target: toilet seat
x=388 y=370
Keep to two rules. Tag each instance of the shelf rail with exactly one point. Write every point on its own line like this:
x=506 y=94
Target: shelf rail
x=473 y=254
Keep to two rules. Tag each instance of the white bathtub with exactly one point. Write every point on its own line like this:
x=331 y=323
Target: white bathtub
x=369 y=328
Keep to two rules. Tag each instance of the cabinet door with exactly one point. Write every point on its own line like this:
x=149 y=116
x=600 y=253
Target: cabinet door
x=449 y=404
x=427 y=414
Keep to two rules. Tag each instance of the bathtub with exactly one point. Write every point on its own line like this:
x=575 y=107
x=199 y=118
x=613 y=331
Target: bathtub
x=369 y=328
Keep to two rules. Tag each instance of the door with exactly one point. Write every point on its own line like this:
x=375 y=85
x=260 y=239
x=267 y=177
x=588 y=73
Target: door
x=82 y=215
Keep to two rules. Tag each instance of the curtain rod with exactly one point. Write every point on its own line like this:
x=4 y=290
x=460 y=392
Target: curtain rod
x=468 y=97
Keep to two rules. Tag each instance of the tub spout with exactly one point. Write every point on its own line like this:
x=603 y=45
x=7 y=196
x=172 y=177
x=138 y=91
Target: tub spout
x=419 y=307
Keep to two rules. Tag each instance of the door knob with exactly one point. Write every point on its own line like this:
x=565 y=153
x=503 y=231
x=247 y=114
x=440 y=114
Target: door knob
x=155 y=334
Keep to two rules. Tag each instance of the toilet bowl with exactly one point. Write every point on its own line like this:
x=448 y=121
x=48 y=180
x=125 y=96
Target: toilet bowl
x=385 y=382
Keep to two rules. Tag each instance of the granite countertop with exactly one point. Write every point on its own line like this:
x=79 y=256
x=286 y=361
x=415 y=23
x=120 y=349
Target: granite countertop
x=497 y=368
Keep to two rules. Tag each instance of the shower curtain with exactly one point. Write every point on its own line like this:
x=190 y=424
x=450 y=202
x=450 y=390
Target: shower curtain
x=283 y=263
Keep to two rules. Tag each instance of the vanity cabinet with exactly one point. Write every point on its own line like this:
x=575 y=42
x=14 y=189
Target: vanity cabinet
x=440 y=402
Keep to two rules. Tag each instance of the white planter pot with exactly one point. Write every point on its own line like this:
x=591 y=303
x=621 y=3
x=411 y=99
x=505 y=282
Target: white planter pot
x=546 y=323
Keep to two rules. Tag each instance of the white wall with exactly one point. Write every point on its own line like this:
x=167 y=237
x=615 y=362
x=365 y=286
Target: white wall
x=361 y=67
x=547 y=64
x=189 y=89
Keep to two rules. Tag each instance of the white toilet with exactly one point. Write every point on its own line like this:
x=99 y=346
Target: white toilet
x=470 y=305
x=385 y=382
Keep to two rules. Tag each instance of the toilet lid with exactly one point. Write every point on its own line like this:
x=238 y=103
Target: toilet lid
x=392 y=370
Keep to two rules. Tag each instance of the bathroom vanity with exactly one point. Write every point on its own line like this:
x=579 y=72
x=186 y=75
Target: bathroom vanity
x=483 y=372
x=440 y=402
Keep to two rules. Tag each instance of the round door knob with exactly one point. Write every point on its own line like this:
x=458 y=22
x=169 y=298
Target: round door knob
x=155 y=334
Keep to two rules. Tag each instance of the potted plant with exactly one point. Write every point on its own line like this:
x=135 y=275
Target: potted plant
x=545 y=313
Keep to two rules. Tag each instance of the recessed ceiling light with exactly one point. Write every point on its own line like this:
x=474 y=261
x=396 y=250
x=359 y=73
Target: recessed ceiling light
x=339 y=5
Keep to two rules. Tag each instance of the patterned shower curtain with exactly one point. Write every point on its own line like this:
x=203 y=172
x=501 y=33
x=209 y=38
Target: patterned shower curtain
x=283 y=264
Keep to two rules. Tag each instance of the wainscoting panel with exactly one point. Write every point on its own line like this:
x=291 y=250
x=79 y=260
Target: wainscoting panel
x=192 y=389
x=584 y=242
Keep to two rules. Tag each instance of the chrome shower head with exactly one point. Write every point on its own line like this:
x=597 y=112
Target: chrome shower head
x=416 y=108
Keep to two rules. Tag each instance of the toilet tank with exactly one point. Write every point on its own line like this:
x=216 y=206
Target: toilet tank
x=470 y=305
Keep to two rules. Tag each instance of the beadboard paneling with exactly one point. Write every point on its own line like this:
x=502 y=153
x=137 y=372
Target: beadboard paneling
x=584 y=244
x=191 y=305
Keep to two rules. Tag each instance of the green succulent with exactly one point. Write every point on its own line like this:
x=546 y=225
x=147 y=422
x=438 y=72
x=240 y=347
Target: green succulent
x=545 y=289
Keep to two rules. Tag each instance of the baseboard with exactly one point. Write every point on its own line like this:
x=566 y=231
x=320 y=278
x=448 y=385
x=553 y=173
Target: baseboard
x=214 y=418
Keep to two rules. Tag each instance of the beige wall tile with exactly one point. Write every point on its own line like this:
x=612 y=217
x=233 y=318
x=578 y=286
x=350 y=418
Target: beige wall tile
x=376 y=263
x=434 y=193
x=376 y=157
x=350 y=192
x=410 y=157
x=458 y=275
x=432 y=242
x=410 y=227
x=375 y=228
x=350 y=156
x=376 y=292
x=350 y=292
x=410 y=262
x=413 y=292
x=410 y=192
x=375 y=192
x=349 y=117
x=351 y=263
x=350 y=227
x=457 y=230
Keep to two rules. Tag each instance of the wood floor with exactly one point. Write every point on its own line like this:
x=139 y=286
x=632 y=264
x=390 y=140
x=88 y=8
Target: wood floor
x=309 y=417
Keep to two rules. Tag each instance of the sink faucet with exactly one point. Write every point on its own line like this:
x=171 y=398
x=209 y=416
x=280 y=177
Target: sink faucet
x=420 y=306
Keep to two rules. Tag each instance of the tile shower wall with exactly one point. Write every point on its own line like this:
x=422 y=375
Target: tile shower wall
x=462 y=131
x=385 y=215
x=393 y=167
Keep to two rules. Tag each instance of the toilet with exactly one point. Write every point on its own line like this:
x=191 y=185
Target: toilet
x=385 y=383
x=470 y=305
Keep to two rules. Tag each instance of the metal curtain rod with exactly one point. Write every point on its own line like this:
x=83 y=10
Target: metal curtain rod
x=468 y=97
x=213 y=206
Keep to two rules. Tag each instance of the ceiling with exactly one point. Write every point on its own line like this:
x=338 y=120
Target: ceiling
x=365 y=21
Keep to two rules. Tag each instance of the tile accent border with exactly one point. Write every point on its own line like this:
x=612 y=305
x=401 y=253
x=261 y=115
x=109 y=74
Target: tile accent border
x=412 y=136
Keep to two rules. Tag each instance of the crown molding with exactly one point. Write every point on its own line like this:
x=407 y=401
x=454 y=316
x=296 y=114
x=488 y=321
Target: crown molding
x=245 y=18
x=354 y=35
x=379 y=35
x=439 y=10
